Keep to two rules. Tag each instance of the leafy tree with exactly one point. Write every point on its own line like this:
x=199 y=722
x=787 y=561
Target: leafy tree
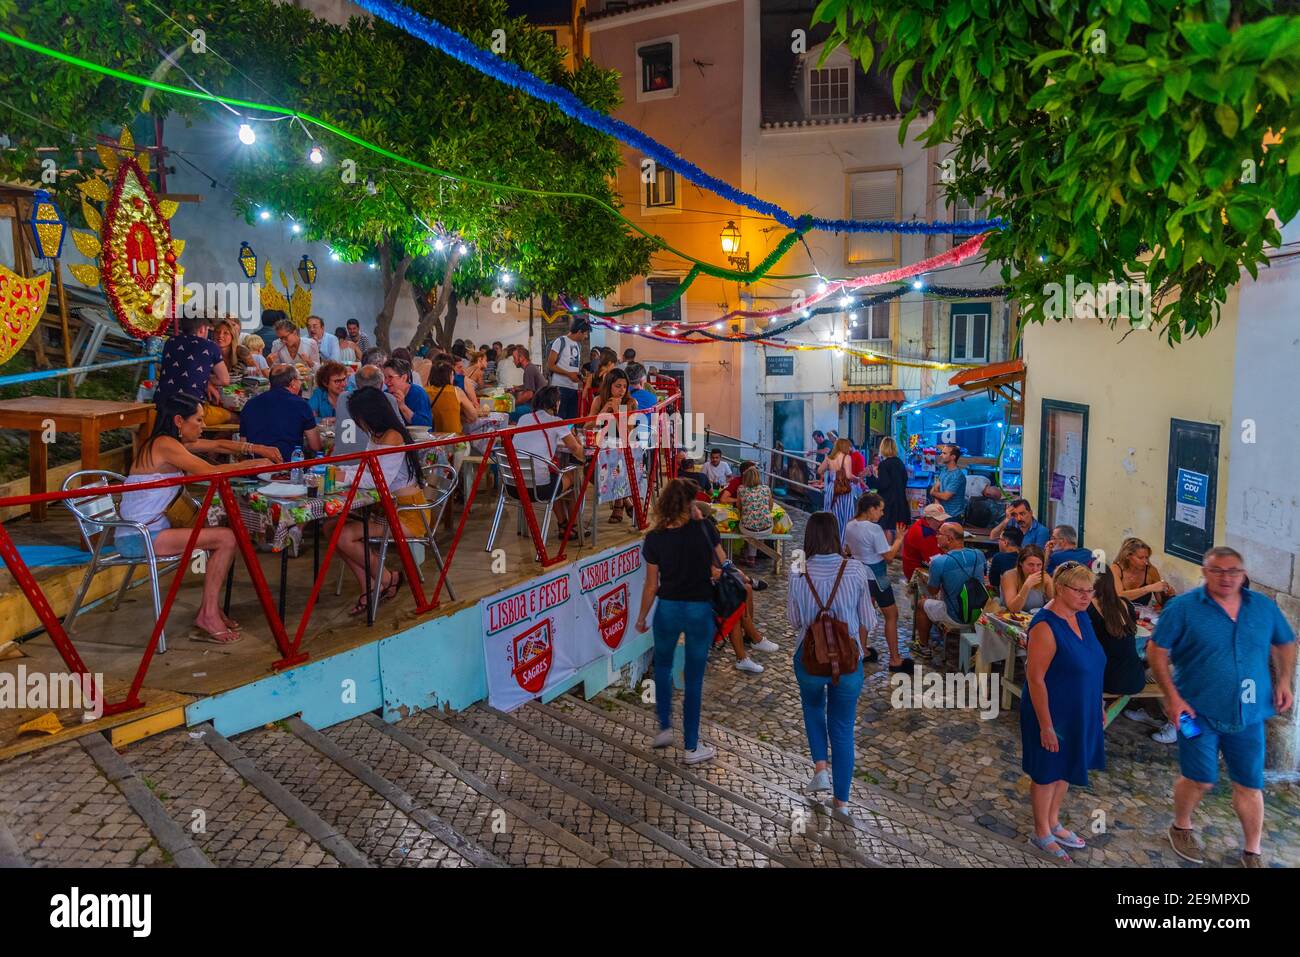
x=1124 y=140
x=392 y=90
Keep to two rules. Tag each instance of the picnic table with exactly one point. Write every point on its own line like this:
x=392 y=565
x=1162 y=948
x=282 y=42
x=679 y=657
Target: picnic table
x=91 y=417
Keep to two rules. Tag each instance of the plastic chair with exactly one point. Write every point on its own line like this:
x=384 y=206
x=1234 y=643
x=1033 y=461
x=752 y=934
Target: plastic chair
x=99 y=516
x=532 y=466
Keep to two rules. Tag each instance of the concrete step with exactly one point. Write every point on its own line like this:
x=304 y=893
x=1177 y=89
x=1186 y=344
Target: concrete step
x=566 y=804
x=511 y=831
x=967 y=845
x=381 y=830
x=726 y=832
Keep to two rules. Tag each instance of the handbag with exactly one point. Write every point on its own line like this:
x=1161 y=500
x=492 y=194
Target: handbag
x=842 y=484
x=828 y=649
x=728 y=590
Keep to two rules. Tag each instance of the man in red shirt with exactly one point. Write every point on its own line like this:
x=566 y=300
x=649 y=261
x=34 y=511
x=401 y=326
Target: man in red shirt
x=921 y=542
x=731 y=493
x=859 y=462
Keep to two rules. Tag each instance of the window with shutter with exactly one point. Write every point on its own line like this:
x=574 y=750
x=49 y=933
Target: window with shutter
x=874 y=196
x=656 y=62
x=659 y=289
x=872 y=323
x=661 y=191
x=970 y=332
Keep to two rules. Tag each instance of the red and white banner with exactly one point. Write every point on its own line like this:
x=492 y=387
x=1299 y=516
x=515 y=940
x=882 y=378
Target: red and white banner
x=540 y=634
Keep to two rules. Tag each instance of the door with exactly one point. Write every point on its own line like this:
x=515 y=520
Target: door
x=1063 y=465
x=1191 y=487
x=788 y=430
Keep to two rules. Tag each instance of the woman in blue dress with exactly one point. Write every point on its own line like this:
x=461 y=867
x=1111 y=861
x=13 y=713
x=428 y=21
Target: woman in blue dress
x=839 y=465
x=1061 y=718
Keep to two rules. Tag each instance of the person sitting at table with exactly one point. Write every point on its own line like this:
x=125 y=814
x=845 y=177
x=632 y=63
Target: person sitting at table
x=864 y=540
x=472 y=379
x=1114 y=622
x=949 y=573
x=729 y=494
x=1021 y=514
x=949 y=488
x=348 y=438
x=356 y=336
x=510 y=374
x=636 y=376
x=349 y=351
x=1136 y=578
x=1009 y=545
x=449 y=406
x=254 y=345
x=403 y=353
x=292 y=349
x=384 y=428
x=754 y=501
x=546 y=445
x=1061 y=726
x=1063 y=547
x=412 y=403
x=327 y=344
x=744 y=630
x=921 y=541
x=1025 y=587
x=280 y=416
x=331 y=383
x=225 y=333
x=169 y=451
x=190 y=361
x=717 y=471
x=689 y=469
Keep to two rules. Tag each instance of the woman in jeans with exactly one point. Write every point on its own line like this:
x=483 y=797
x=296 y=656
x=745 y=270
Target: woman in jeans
x=829 y=710
x=679 y=571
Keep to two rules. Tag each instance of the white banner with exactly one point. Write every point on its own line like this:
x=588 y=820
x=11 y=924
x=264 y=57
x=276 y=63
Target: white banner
x=609 y=594
x=527 y=639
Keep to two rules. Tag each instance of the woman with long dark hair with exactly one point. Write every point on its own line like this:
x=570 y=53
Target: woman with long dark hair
x=1114 y=621
x=169 y=451
x=372 y=413
x=615 y=397
x=679 y=571
x=1026 y=587
x=545 y=444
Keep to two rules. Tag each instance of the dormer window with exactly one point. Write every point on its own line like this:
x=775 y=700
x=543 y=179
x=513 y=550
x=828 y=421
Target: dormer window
x=827 y=89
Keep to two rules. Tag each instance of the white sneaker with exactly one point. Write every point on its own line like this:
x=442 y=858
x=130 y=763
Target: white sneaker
x=750 y=665
x=766 y=645
x=663 y=739
x=1140 y=716
x=821 y=781
x=703 y=752
x=1166 y=735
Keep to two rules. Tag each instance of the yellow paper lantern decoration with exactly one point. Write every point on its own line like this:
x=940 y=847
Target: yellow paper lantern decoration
x=49 y=228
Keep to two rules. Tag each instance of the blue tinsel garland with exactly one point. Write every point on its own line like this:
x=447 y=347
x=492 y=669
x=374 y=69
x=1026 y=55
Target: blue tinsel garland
x=454 y=45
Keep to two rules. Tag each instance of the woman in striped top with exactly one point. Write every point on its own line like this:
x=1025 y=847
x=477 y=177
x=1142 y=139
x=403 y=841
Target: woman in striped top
x=829 y=710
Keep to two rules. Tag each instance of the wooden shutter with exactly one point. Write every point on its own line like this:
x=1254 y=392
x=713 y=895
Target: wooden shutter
x=873 y=195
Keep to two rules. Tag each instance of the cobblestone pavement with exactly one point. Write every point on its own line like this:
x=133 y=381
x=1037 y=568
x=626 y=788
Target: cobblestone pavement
x=970 y=766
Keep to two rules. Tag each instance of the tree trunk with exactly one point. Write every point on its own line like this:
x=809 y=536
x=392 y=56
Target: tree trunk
x=394 y=278
x=431 y=313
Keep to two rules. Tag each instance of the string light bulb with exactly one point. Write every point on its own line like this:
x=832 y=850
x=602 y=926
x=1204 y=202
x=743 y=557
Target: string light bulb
x=316 y=155
x=264 y=215
x=918 y=283
x=371 y=188
x=439 y=245
x=462 y=249
x=246 y=134
x=296 y=228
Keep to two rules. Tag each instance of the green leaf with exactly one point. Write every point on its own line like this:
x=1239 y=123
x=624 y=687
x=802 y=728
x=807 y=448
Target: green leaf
x=1157 y=100
x=1226 y=117
x=1047 y=57
x=1175 y=83
x=902 y=73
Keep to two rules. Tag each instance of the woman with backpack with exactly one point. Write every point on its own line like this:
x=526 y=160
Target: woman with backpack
x=829 y=605
x=678 y=555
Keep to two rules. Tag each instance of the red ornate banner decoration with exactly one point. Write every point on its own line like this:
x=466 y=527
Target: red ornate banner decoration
x=22 y=303
x=138 y=266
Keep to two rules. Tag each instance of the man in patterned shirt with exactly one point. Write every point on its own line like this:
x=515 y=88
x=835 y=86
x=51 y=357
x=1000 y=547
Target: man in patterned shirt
x=189 y=360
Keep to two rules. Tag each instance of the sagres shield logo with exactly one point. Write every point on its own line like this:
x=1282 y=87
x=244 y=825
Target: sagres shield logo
x=611 y=615
x=534 y=650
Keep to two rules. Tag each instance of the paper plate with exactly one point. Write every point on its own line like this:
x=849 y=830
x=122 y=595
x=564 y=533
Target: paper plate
x=283 y=490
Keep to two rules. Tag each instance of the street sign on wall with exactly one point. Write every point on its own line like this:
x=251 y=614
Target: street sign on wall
x=780 y=365
x=1191 y=488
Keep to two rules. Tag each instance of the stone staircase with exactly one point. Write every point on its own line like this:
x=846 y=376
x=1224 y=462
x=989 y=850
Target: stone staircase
x=569 y=784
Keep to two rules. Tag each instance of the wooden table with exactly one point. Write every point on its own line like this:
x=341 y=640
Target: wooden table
x=90 y=417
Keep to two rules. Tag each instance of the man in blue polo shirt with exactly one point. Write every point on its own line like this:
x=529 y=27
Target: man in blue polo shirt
x=281 y=416
x=949 y=573
x=1063 y=547
x=1021 y=514
x=949 y=488
x=1221 y=639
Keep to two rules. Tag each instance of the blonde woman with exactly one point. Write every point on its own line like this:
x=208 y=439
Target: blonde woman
x=891 y=481
x=1061 y=721
x=475 y=363
x=755 y=506
x=837 y=468
x=1135 y=577
x=1026 y=587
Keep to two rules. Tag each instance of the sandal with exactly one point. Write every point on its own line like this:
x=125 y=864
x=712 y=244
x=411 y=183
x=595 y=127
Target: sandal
x=232 y=624
x=902 y=667
x=1047 y=844
x=359 y=607
x=1067 y=838
x=389 y=593
x=616 y=515
x=871 y=655
x=227 y=637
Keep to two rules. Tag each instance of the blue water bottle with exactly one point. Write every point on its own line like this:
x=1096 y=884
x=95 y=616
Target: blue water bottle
x=295 y=474
x=1188 y=725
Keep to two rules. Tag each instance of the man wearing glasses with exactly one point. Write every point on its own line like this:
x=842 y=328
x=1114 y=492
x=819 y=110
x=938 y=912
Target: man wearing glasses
x=1222 y=638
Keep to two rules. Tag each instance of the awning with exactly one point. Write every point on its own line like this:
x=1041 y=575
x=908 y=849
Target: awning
x=990 y=376
x=864 y=396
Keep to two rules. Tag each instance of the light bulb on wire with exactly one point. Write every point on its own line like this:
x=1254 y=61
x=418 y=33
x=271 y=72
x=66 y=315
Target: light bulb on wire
x=918 y=283
x=246 y=134
x=439 y=245
x=316 y=155
x=264 y=215
x=462 y=249
x=296 y=228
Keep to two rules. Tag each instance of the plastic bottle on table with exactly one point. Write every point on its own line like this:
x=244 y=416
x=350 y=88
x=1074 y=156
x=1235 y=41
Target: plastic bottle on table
x=295 y=474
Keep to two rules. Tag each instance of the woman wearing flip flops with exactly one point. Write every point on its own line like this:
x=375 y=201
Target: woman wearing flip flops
x=1062 y=720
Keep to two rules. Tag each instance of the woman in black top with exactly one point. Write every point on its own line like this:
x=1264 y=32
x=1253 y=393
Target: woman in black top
x=679 y=572
x=891 y=483
x=1115 y=623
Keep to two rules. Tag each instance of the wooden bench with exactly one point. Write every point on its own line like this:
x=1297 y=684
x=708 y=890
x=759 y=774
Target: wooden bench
x=760 y=542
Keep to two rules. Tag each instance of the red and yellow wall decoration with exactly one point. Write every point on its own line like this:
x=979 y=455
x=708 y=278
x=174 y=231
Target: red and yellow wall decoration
x=22 y=303
x=138 y=264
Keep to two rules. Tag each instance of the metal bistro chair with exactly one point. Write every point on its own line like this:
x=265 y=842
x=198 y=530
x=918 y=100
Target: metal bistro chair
x=99 y=517
x=532 y=466
x=442 y=483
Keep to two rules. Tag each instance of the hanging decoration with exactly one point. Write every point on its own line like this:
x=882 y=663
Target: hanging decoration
x=22 y=303
x=137 y=257
x=296 y=305
x=307 y=270
x=247 y=260
x=49 y=228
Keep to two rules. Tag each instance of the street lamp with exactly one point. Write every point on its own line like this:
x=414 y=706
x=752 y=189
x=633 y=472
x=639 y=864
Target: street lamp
x=49 y=228
x=307 y=269
x=731 y=245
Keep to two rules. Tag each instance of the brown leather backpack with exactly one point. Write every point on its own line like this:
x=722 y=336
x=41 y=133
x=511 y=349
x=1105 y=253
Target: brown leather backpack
x=842 y=484
x=828 y=648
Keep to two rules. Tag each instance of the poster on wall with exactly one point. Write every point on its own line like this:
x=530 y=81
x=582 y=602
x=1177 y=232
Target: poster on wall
x=1190 y=498
x=1068 y=467
x=527 y=640
x=609 y=595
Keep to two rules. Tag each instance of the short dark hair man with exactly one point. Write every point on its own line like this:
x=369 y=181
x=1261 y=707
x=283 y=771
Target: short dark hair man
x=189 y=360
x=564 y=363
x=1221 y=640
x=281 y=416
x=533 y=382
x=1021 y=514
x=949 y=488
x=1010 y=541
x=1063 y=547
x=356 y=335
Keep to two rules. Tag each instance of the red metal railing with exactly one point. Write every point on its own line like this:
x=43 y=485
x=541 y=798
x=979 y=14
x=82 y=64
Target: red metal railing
x=291 y=652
